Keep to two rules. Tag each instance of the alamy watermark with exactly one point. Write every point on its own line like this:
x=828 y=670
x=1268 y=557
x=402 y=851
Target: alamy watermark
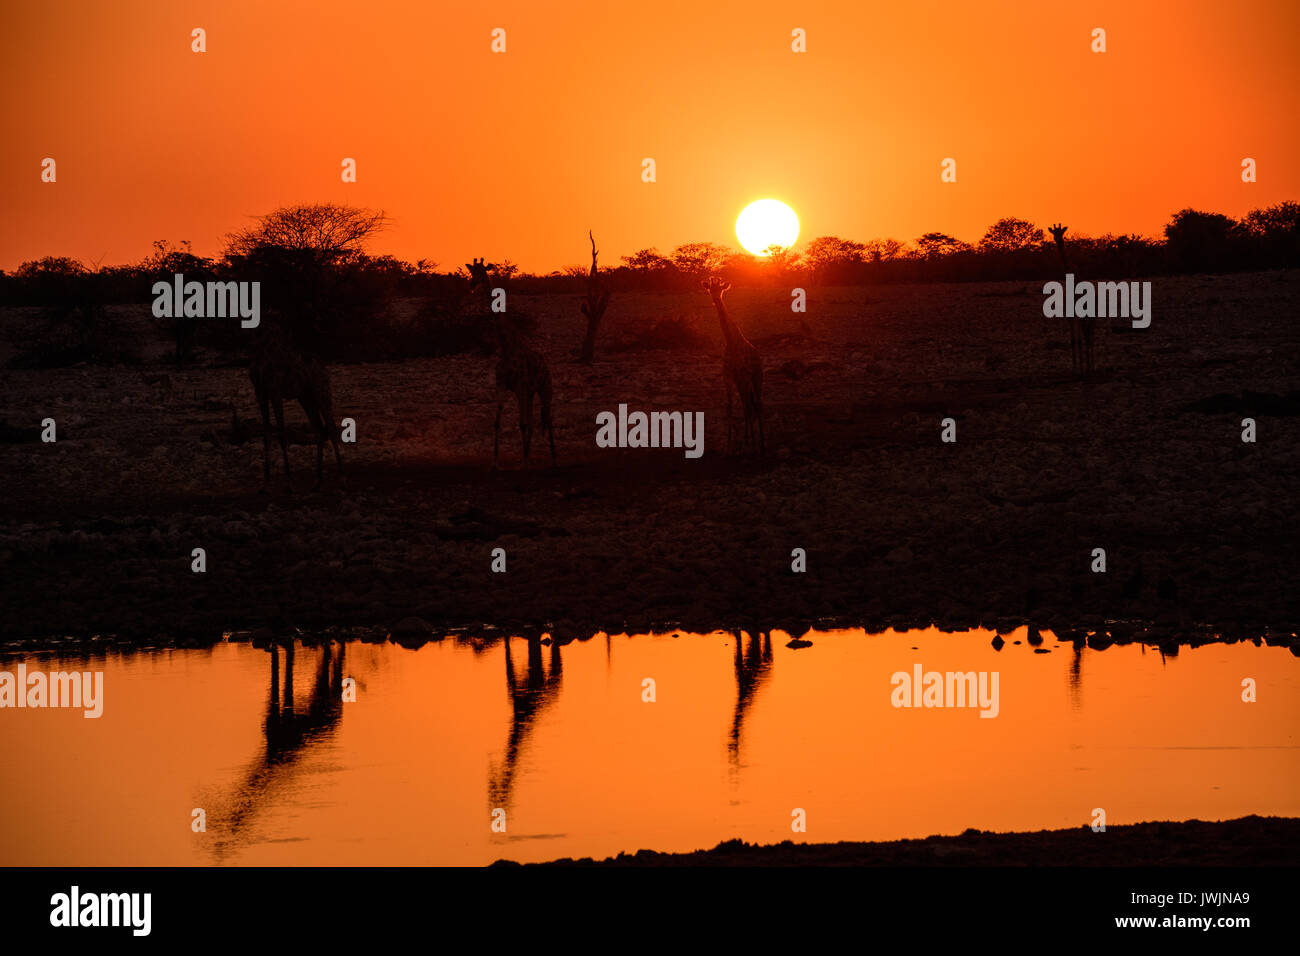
x=75 y=908
x=655 y=430
x=208 y=300
x=950 y=689
x=1098 y=300
x=84 y=689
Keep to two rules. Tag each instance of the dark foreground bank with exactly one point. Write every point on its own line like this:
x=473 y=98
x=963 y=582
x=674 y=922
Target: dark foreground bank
x=1248 y=841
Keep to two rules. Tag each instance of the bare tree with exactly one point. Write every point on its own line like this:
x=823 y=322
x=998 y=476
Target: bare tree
x=594 y=307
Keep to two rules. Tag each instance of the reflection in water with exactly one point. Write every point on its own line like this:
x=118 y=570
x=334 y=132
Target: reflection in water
x=753 y=664
x=1076 y=676
x=287 y=734
x=285 y=779
x=529 y=696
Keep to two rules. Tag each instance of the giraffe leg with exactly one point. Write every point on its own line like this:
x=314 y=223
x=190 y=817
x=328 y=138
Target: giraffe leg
x=320 y=458
x=752 y=417
x=318 y=427
x=496 y=437
x=263 y=404
x=727 y=386
x=526 y=421
x=277 y=406
x=546 y=422
x=338 y=454
x=326 y=416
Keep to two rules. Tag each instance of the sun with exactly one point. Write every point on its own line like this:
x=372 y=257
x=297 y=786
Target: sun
x=764 y=223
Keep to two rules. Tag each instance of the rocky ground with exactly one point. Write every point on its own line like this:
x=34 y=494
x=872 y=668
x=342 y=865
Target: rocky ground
x=1248 y=841
x=1145 y=461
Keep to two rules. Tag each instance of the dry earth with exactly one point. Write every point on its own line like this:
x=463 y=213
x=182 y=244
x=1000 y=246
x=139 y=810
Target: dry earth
x=997 y=529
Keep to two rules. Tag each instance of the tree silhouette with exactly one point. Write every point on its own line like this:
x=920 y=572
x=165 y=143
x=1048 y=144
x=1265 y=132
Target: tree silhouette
x=781 y=261
x=1274 y=222
x=883 y=250
x=1010 y=234
x=1201 y=241
x=934 y=245
x=303 y=253
x=826 y=254
x=167 y=260
x=700 y=259
x=1274 y=231
x=645 y=260
x=323 y=233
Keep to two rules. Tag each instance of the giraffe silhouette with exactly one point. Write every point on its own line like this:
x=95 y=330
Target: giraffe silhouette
x=1081 y=329
x=282 y=370
x=521 y=369
x=742 y=368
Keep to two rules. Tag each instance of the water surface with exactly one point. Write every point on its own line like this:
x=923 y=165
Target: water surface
x=743 y=731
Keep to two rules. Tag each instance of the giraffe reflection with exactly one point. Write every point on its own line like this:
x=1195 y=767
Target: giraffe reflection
x=753 y=667
x=287 y=733
x=530 y=694
x=1075 y=677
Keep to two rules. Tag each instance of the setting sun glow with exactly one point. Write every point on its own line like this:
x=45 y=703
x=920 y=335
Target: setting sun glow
x=765 y=223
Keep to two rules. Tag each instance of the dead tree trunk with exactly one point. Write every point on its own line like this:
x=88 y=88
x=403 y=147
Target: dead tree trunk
x=594 y=307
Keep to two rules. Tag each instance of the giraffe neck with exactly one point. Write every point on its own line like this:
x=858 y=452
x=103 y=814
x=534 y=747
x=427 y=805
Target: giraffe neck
x=511 y=338
x=730 y=331
x=1060 y=248
x=505 y=338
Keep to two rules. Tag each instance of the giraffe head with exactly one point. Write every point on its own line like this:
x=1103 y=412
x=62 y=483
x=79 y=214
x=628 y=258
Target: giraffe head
x=715 y=287
x=1058 y=233
x=478 y=274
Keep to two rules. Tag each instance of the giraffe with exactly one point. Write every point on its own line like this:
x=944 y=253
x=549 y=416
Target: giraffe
x=1081 y=329
x=281 y=370
x=520 y=368
x=741 y=367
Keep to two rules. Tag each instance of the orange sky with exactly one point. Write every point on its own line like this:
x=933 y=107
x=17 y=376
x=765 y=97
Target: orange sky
x=516 y=155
